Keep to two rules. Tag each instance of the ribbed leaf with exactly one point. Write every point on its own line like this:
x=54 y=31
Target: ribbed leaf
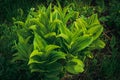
x=66 y=8
x=93 y=20
x=77 y=34
x=39 y=42
x=48 y=11
x=63 y=36
x=35 y=21
x=20 y=38
x=81 y=43
x=54 y=24
x=18 y=57
x=52 y=73
x=51 y=34
x=100 y=44
x=95 y=31
x=53 y=67
x=56 y=55
x=35 y=61
x=37 y=67
x=75 y=66
x=81 y=24
x=24 y=49
x=49 y=48
x=89 y=54
x=65 y=33
x=37 y=57
x=37 y=70
x=36 y=53
x=68 y=16
x=97 y=44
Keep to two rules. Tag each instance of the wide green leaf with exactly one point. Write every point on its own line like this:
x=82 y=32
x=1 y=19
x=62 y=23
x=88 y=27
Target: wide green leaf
x=81 y=43
x=93 y=20
x=39 y=42
x=81 y=24
x=75 y=66
x=97 y=44
x=56 y=55
x=51 y=34
x=95 y=31
x=49 y=48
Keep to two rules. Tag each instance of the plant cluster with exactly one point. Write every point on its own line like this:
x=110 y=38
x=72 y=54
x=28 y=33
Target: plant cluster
x=56 y=41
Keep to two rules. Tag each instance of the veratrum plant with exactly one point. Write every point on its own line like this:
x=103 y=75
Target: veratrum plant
x=61 y=40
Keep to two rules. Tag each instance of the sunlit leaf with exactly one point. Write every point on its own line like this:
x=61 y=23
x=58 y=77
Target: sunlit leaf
x=81 y=42
x=95 y=31
x=75 y=66
x=39 y=43
x=49 y=48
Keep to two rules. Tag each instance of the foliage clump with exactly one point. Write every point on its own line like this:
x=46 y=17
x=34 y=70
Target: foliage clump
x=56 y=41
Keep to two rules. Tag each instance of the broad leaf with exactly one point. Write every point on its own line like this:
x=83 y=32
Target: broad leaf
x=51 y=34
x=95 y=31
x=75 y=66
x=81 y=43
x=56 y=55
x=93 y=20
x=49 y=48
x=97 y=44
x=39 y=42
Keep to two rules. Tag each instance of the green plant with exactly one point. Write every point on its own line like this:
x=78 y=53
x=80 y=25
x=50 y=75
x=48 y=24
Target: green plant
x=60 y=41
x=15 y=71
x=113 y=12
x=110 y=64
x=7 y=37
